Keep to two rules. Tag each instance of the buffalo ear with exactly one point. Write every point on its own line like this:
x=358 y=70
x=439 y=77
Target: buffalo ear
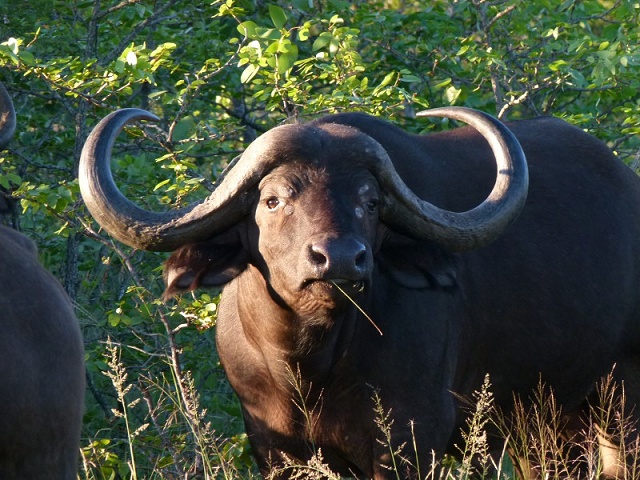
x=417 y=264
x=206 y=264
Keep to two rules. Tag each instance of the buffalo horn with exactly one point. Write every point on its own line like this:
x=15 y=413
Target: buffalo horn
x=232 y=197
x=474 y=228
x=166 y=231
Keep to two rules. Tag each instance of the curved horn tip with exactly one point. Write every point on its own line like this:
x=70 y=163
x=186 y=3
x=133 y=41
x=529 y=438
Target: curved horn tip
x=484 y=223
x=129 y=223
x=444 y=111
x=127 y=115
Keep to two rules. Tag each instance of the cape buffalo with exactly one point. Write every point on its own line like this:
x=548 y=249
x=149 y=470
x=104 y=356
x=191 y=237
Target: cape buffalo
x=41 y=359
x=466 y=260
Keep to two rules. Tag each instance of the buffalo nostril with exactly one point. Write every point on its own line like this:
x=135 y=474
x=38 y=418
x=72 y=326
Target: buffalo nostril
x=361 y=258
x=317 y=256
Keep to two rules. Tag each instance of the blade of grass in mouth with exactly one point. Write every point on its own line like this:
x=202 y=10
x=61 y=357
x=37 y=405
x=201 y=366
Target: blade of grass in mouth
x=358 y=307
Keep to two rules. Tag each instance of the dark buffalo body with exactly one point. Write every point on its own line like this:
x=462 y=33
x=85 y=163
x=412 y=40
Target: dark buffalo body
x=550 y=293
x=41 y=369
x=41 y=359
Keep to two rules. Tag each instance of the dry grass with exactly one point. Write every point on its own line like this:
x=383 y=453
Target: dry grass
x=537 y=442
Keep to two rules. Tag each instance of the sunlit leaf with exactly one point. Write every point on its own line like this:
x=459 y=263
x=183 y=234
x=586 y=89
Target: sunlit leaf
x=278 y=17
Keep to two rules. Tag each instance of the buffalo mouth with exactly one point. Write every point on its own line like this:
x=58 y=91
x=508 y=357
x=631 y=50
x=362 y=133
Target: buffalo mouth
x=334 y=287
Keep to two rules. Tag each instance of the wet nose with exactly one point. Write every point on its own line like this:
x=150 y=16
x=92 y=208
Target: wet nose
x=339 y=258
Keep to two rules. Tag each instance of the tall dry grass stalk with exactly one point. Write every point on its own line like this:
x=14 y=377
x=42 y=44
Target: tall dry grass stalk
x=404 y=459
x=539 y=441
x=118 y=376
x=165 y=428
x=476 y=459
x=598 y=442
x=542 y=441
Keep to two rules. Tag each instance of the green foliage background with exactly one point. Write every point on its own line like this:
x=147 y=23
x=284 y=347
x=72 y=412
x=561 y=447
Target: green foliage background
x=218 y=74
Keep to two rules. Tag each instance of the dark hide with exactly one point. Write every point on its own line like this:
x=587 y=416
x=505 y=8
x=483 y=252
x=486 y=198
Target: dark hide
x=555 y=297
x=41 y=369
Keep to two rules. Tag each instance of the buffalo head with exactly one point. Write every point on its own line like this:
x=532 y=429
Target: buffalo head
x=313 y=201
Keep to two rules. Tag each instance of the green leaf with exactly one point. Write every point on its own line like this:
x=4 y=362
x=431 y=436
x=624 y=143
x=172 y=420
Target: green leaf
x=248 y=73
x=161 y=184
x=340 y=4
x=114 y=319
x=389 y=78
x=268 y=33
x=451 y=94
x=555 y=66
x=165 y=461
x=10 y=179
x=184 y=128
x=303 y=34
x=446 y=82
x=286 y=61
x=322 y=41
x=272 y=48
x=28 y=58
x=247 y=29
x=278 y=17
x=410 y=79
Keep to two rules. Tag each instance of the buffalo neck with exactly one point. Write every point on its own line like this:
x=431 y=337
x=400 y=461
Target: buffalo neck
x=310 y=344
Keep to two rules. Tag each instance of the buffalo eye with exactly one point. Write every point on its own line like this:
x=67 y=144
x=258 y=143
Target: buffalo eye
x=272 y=203
x=371 y=206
